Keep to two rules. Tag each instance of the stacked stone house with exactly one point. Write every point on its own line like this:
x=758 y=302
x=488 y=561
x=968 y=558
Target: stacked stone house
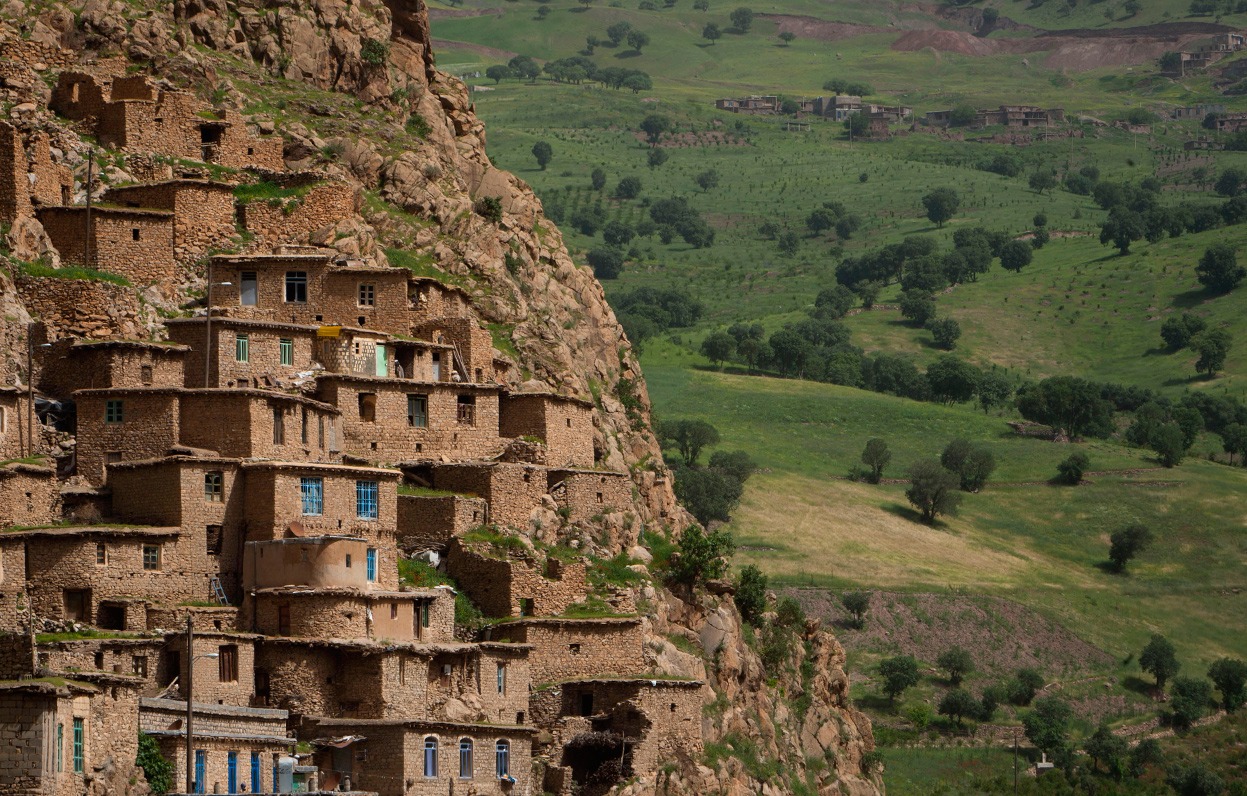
x=243 y=494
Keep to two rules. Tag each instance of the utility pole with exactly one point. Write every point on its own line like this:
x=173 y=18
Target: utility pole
x=190 y=711
x=1015 y=763
x=87 y=237
x=30 y=390
x=208 y=329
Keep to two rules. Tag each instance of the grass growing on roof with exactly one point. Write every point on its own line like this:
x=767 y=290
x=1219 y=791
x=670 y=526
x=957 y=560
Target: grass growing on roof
x=41 y=271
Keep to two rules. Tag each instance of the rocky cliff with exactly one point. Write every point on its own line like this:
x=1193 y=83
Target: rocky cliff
x=354 y=87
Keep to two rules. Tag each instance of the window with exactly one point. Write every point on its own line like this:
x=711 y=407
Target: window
x=80 y=740
x=394 y=615
x=502 y=678
x=232 y=772
x=114 y=411
x=279 y=426
x=242 y=347
x=212 y=539
x=368 y=407
x=214 y=484
x=465 y=758
x=283 y=620
x=140 y=666
x=285 y=349
x=248 y=288
x=430 y=757
x=145 y=374
x=112 y=457
x=227 y=663
x=366 y=500
x=348 y=560
x=313 y=491
x=424 y=614
x=367 y=295
x=296 y=287
x=372 y=565
x=503 y=754
x=320 y=431
x=151 y=556
x=101 y=554
x=134 y=233
x=256 y=786
x=201 y=770
x=418 y=411
x=303 y=427
x=60 y=748
x=467 y=410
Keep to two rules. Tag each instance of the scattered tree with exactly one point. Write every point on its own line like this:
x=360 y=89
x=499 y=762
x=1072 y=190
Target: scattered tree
x=941 y=205
x=1048 y=726
x=952 y=379
x=1016 y=255
x=607 y=262
x=750 y=596
x=1234 y=441
x=637 y=40
x=1213 y=346
x=525 y=66
x=499 y=73
x=1189 y=701
x=1196 y=780
x=876 y=456
x=690 y=437
x=1160 y=660
x=1042 y=180
x=918 y=306
x=618 y=32
x=1071 y=469
x=857 y=603
x=628 y=188
x=789 y=243
x=1169 y=444
x=898 y=674
x=962 y=115
x=701 y=556
x=932 y=490
x=711 y=32
x=707 y=180
x=1071 y=405
x=1218 y=269
x=944 y=331
x=957 y=662
x=1023 y=687
x=742 y=19
x=654 y=126
x=994 y=389
x=718 y=347
x=597 y=179
x=489 y=208
x=1128 y=543
x=1178 y=330
x=1123 y=227
x=544 y=153
x=958 y=703
x=1229 y=675
x=656 y=158
x=1113 y=751
x=787 y=37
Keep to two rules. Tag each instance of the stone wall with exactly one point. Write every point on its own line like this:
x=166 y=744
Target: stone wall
x=240 y=423
x=565 y=425
x=294 y=220
x=263 y=366
x=13 y=600
x=149 y=426
x=590 y=493
x=512 y=491
x=433 y=300
x=83 y=308
x=516 y=586
x=203 y=212
x=389 y=436
x=429 y=522
x=143 y=659
x=13 y=417
x=14 y=187
x=29 y=495
x=72 y=365
x=353 y=615
x=472 y=343
x=135 y=244
x=53 y=183
x=568 y=649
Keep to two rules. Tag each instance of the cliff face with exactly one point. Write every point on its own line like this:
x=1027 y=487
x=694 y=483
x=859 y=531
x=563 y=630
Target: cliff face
x=377 y=61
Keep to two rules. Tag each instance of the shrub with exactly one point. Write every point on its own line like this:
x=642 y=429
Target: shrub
x=701 y=556
x=489 y=208
x=750 y=594
x=1072 y=468
x=157 y=770
x=374 y=52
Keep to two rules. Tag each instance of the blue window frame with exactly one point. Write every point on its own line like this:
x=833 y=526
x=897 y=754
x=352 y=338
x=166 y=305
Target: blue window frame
x=372 y=564
x=503 y=754
x=60 y=748
x=465 y=758
x=231 y=772
x=201 y=770
x=430 y=757
x=366 y=500
x=80 y=740
x=313 y=490
x=255 y=773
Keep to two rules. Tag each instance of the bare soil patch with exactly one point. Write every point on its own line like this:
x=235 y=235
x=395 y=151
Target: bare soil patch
x=440 y=45
x=1002 y=635
x=818 y=29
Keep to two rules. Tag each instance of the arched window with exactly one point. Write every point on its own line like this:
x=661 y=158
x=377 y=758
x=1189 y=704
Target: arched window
x=465 y=758
x=430 y=757
x=503 y=758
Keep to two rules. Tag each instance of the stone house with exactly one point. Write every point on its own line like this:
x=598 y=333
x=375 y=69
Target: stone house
x=314 y=204
x=298 y=611
x=13 y=418
x=517 y=583
x=133 y=243
x=755 y=104
x=309 y=499
x=396 y=420
x=428 y=682
x=564 y=424
x=235 y=747
x=203 y=212
x=1199 y=111
x=473 y=346
x=567 y=648
x=584 y=494
x=511 y=490
x=29 y=495
x=72 y=364
x=13 y=601
x=1232 y=122
x=144 y=660
x=421 y=758
x=429 y=522
x=60 y=732
x=28 y=176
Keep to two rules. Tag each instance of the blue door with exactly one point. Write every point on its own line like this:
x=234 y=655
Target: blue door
x=255 y=773
x=232 y=772
x=201 y=764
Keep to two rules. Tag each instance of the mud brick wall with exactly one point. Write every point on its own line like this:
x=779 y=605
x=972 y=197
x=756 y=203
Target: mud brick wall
x=564 y=425
x=69 y=562
x=135 y=244
x=323 y=563
x=389 y=438
x=12 y=595
x=203 y=212
x=513 y=491
x=83 y=308
x=294 y=220
x=29 y=496
x=390 y=311
x=500 y=586
x=578 y=648
x=263 y=367
x=589 y=493
x=430 y=522
x=239 y=424
x=149 y=427
x=67 y=367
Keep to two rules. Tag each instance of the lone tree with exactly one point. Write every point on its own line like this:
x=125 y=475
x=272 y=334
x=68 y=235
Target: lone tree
x=711 y=32
x=1047 y=726
x=1213 y=346
x=544 y=153
x=876 y=456
x=718 y=347
x=787 y=37
x=1016 y=255
x=707 y=180
x=742 y=19
x=957 y=704
x=1159 y=660
x=856 y=603
x=499 y=73
x=898 y=674
x=638 y=39
x=941 y=205
x=690 y=437
x=957 y=662
x=932 y=490
x=1071 y=469
x=1229 y=675
x=654 y=126
x=1128 y=543
x=1218 y=269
